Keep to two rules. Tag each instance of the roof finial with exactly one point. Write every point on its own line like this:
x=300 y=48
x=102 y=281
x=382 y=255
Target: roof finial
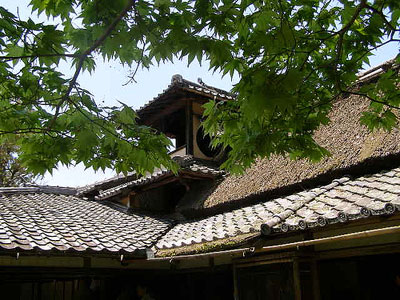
x=176 y=78
x=200 y=81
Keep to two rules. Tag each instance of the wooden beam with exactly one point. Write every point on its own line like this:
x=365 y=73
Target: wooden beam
x=359 y=251
x=124 y=200
x=267 y=257
x=167 y=179
x=189 y=127
x=337 y=238
x=198 y=175
x=265 y=262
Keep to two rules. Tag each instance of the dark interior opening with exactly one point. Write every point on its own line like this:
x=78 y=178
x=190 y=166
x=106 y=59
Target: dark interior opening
x=368 y=277
x=266 y=282
x=204 y=143
x=174 y=126
x=161 y=199
x=120 y=285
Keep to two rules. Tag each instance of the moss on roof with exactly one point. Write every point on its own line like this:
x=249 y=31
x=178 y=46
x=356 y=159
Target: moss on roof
x=205 y=247
x=349 y=142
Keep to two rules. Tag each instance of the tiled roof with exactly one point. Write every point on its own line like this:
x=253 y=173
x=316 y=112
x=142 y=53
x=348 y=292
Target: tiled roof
x=378 y=70
x=36 y=220
x=187 y=164
x=178 y=81
x=48 y=189
x=50 y=219
x=352 y=199
x=105 y=184
x=340 y=201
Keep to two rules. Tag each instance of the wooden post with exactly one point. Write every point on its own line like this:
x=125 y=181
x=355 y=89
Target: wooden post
x=296 y=279
x=189 y=127
x=39 y=286
x=235 y=287
x=55 y=289
x=315 y=280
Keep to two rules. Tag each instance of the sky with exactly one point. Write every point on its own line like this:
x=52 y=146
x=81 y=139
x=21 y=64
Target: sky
x=107 y=85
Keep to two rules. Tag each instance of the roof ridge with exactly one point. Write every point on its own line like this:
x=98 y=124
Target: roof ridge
x=377 y=70
x=47 y=189
x=206 y=86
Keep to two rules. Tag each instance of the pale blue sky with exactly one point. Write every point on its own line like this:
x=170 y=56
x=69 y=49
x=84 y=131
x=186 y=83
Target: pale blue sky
x=106 y=83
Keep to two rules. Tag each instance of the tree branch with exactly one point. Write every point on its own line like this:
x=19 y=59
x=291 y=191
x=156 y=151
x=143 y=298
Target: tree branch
x=372 y=99
x=341 y=33
x=380 y=13
x=133 y=74
x=85 y=54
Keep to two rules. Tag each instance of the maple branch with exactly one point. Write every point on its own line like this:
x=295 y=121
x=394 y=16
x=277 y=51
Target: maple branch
x=372 y=99
x=133 y=74
x=383 y=17
x=341 y=33
x=85 y=54
x=93 y=121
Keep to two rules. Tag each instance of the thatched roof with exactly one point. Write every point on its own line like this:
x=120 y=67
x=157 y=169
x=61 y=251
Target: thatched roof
x=353 y=147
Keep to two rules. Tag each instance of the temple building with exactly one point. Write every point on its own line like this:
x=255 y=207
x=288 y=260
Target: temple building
x=285 y=229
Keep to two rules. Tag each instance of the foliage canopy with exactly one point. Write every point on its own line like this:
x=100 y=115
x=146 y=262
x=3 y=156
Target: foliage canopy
x=293 y=58
x=12 y=172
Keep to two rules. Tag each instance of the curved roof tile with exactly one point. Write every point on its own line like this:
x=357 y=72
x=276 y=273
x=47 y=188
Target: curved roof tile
x=341 y=201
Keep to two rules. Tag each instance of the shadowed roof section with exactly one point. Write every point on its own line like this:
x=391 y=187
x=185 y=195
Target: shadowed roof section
x=351 y=145
x=40 y=220
x=116 y=185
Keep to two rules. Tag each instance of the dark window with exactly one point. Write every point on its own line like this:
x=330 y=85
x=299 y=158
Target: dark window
x=204 y=143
